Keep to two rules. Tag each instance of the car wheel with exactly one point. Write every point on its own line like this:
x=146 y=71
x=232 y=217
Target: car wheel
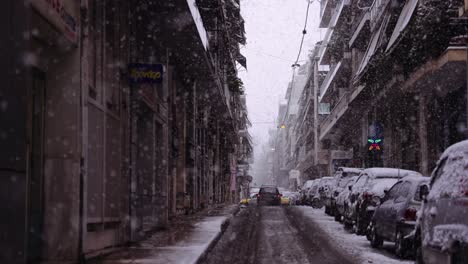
x=376 y=240
x=337 y=217
x=358 y=228
x=460 y=253
x=400 y=247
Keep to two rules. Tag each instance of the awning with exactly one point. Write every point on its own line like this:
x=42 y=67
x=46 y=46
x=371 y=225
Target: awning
x=328 y=80
x=356 y=33
x=242 y=60
x=371 y=48
x=403 y=21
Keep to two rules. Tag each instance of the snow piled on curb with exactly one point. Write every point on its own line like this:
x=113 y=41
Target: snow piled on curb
x=353 y=245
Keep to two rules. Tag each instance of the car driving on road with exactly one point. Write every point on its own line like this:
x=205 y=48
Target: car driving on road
x=269 y=195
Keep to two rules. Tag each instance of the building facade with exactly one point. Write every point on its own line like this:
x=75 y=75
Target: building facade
x=116 y=116
x=387 y=86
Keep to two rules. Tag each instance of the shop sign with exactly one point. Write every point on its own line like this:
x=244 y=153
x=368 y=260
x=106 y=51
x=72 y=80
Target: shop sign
x=59 y=15
x=145 y=73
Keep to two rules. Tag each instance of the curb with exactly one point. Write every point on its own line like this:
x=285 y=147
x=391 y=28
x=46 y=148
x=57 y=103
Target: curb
x=215 y=240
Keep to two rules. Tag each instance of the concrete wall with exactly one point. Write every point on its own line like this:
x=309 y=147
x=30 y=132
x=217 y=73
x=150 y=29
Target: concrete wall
x=13 y=131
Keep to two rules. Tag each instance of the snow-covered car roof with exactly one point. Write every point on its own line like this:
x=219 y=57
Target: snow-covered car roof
x=416 y=178
x=389 y=172
x=459 y=149
x=353 y=170
x=308 y=184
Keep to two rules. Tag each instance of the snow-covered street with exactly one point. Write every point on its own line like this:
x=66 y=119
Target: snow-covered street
x=297 y=234
x=353 y=245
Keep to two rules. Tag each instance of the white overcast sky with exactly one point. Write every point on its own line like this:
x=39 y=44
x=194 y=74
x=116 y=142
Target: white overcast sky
x=274 y=31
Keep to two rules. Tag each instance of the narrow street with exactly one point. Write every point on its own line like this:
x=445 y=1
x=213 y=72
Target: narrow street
x=274 y=235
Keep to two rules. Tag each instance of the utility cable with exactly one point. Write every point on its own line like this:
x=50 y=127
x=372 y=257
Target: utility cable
x=304 y=32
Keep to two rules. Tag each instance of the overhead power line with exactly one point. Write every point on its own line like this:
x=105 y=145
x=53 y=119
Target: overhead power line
x=304 y=32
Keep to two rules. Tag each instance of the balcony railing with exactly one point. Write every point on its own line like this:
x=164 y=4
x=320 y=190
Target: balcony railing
x=376 y=10
x=336 y=113
x=335 y=18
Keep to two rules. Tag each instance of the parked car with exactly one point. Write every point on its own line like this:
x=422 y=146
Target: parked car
x=324 y=188
x=304 y=190
x=339 y=182
x=395 y=218
x=342 y=201
x=367 y=193
x=443 y=227
x=294 y=198
x=312 y=194
x=268 y=195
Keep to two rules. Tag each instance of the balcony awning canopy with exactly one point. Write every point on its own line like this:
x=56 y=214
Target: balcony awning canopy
x=371 y=48
x=402 y=22
x=359 y=29
x=241 y=60
x=331 y=34
x=325 y=15
x=328 y=81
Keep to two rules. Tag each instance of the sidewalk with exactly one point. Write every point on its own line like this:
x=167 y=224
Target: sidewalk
x=184 y=242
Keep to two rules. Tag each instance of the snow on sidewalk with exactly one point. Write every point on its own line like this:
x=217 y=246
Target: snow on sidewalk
x=357 y=246
x=183 y=246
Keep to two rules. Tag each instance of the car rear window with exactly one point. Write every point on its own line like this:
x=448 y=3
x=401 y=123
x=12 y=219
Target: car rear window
x=268 y=190
x=451 y=179
x=380 y=184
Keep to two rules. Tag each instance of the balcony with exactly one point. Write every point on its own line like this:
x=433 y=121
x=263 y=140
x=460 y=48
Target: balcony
x=329 y=80
x=198 y=22
x=325 y=13
x=376 y=12
x=337 y=112
x=335 y=21
x=359 y=28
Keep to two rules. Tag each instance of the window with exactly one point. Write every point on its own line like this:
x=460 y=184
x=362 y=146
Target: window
x=393 y=192
x=403 y=191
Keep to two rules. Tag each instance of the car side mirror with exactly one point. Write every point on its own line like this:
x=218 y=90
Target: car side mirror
x=385 y=191
x=423 y=191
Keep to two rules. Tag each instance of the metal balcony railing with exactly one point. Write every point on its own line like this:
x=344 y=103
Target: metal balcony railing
x=335 y=114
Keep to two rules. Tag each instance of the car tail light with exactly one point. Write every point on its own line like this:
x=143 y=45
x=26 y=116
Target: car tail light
x=410 y=214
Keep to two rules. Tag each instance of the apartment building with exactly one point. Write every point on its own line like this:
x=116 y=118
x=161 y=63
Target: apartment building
x=116 y=116
x=397 y=81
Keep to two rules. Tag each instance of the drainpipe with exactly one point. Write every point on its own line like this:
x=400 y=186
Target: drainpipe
x=466 y=81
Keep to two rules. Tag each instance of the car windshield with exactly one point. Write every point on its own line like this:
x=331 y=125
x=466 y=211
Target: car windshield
x=165 y=131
